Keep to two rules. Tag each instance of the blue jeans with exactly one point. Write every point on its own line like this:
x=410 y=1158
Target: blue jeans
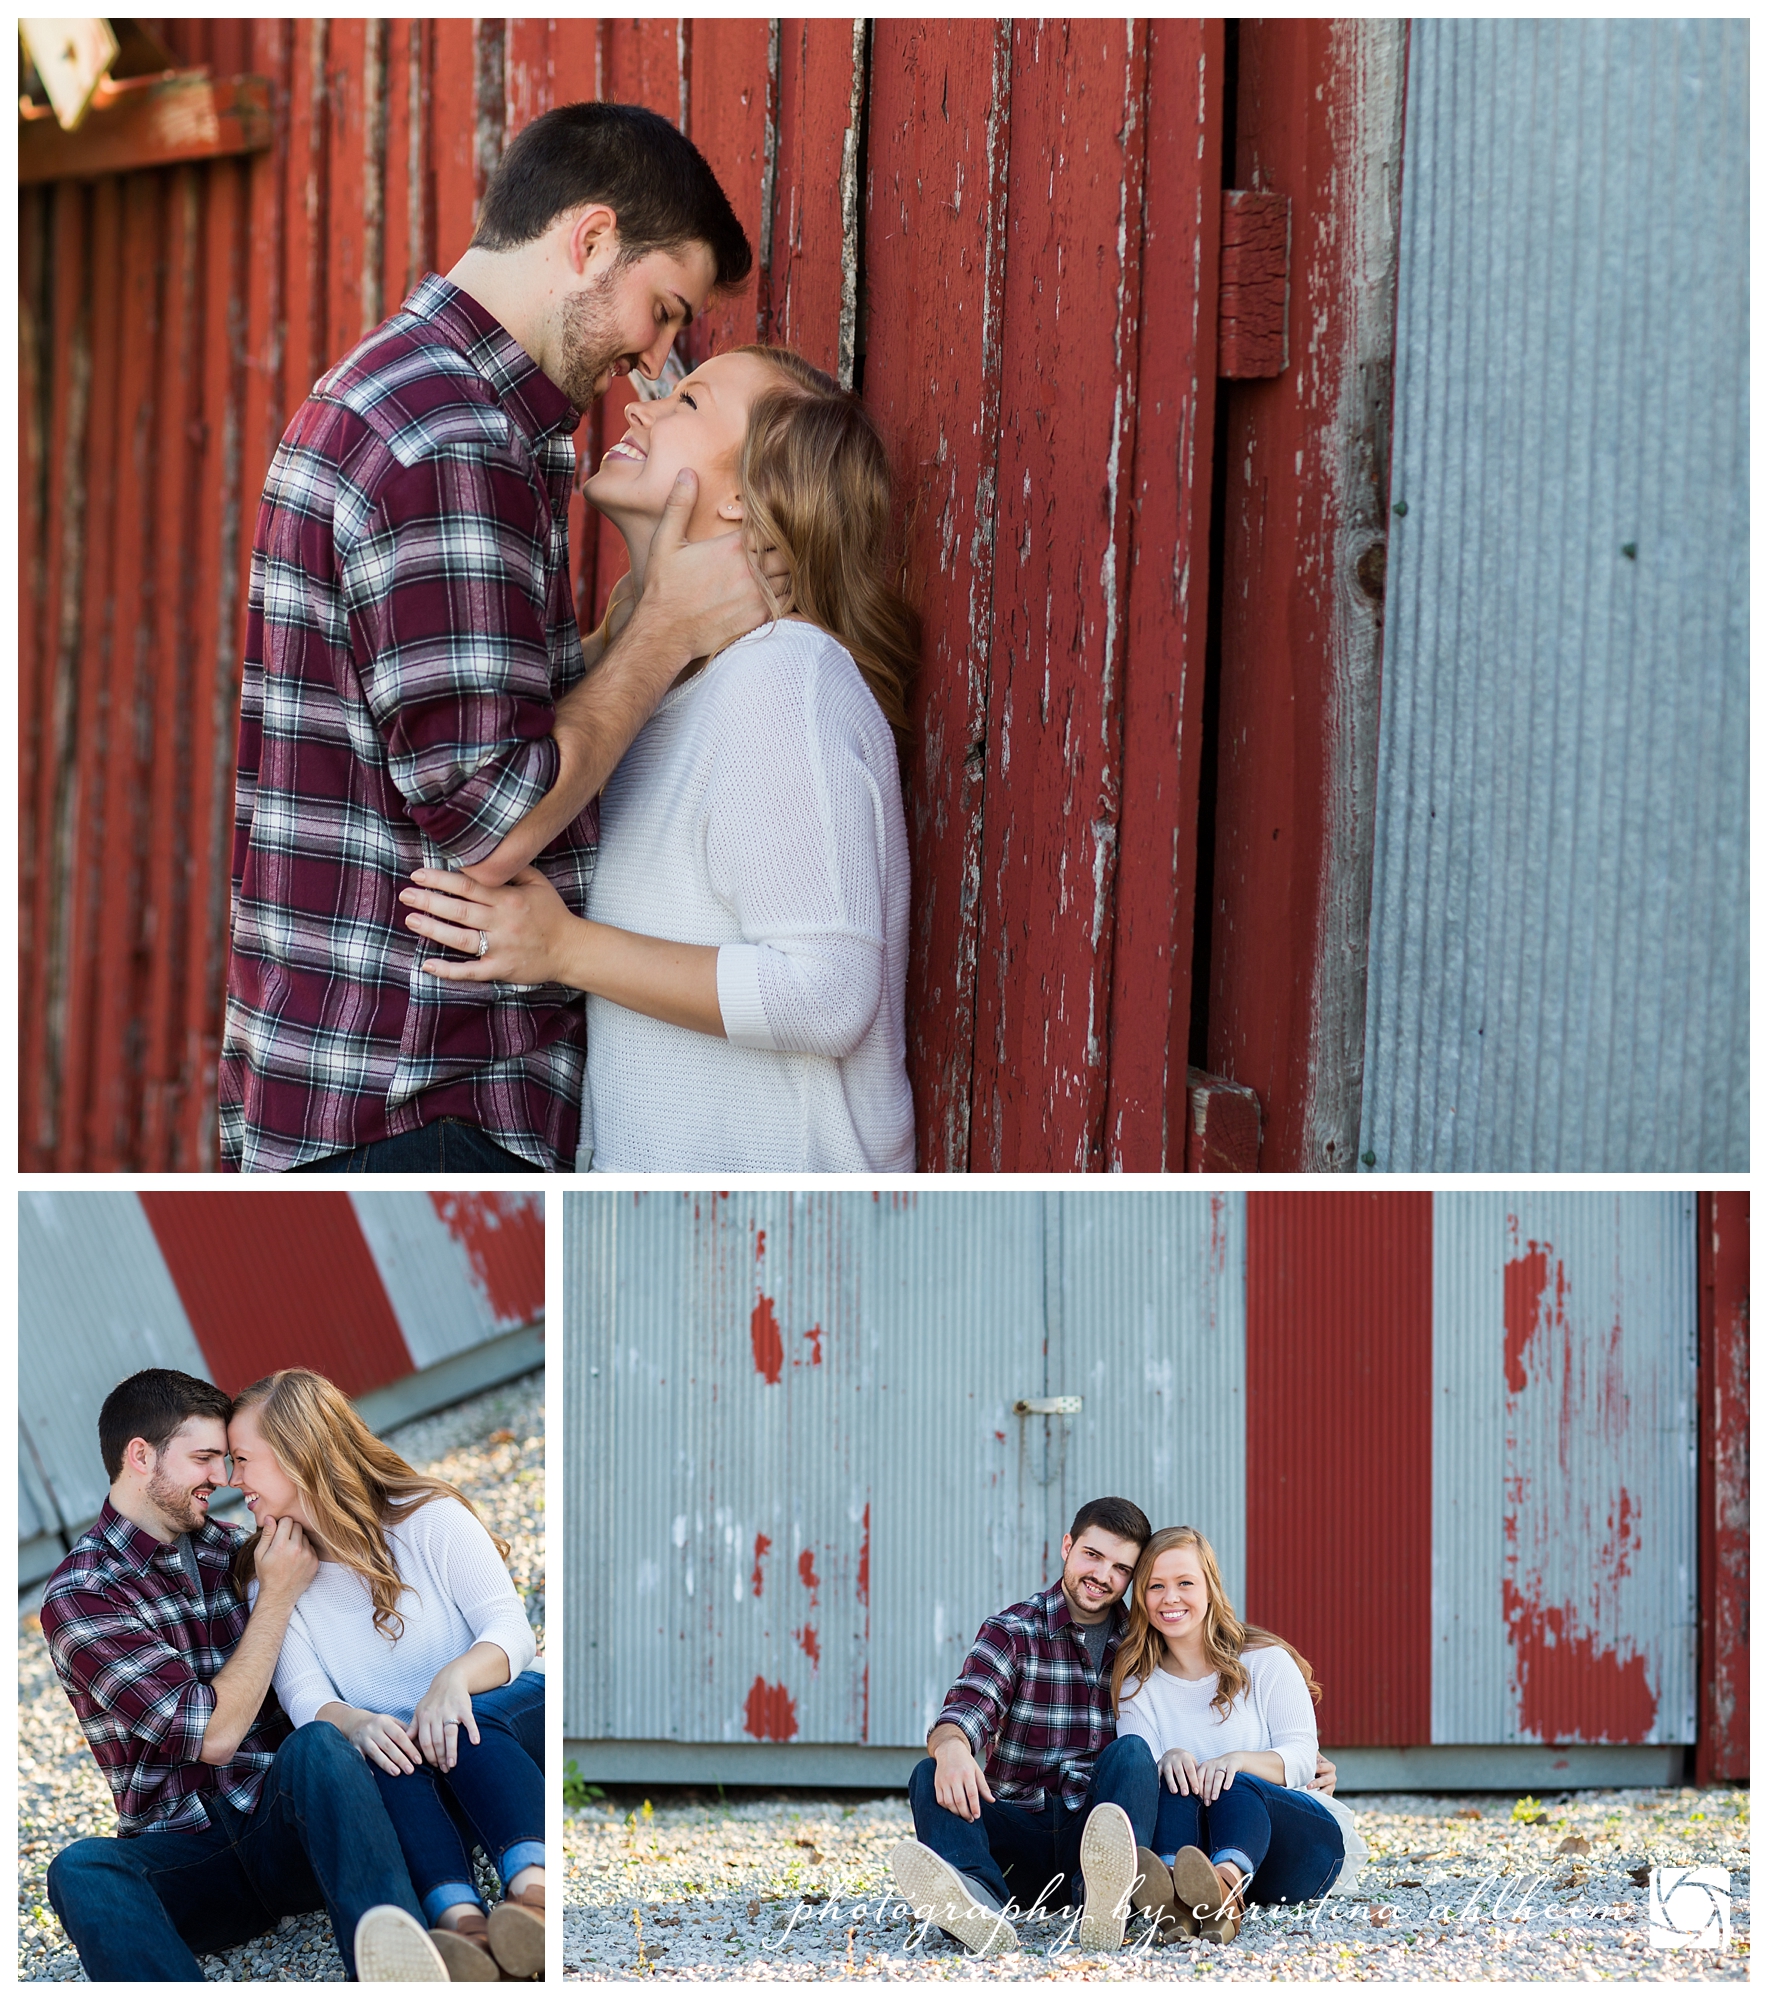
x=495 y=1796
x=1016 y=1854
x=143 y=1908
x=450 y=1146
x=1285 y=1840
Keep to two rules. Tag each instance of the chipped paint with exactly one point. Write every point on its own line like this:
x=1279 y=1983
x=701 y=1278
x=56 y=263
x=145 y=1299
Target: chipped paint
x=765 y=1342
x=770 y=1715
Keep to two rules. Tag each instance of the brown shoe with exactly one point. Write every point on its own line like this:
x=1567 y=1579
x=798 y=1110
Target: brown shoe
x=1197 y=1889
x=518 y=1933
x=1154 y=1895
x=466 y=1950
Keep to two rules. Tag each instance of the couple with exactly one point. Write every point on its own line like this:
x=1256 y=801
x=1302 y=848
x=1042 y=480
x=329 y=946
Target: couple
x=504 y=899
x=329 y=1713
x=1122 y=1741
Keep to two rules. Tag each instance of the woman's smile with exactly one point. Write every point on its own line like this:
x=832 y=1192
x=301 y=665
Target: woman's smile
x=628 y=447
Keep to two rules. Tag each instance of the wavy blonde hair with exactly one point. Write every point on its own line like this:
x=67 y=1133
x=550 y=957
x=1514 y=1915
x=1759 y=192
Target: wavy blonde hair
x=815 y=481
x=1224 y=1637
x=352 y=1486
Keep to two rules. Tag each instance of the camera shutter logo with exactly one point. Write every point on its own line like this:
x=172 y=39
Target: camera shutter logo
x=1690 y=1906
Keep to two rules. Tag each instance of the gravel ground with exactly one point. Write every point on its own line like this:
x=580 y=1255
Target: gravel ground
x=1456 y=1888
x=493 y=1448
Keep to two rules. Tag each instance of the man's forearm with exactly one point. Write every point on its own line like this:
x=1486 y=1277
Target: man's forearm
x=593 y=726
x=943 y=1733
x=240 y=1687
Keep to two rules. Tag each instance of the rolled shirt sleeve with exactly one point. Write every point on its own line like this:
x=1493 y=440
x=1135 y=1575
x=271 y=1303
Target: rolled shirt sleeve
x=983 y=1692
x=445 y=590
x=804 y=874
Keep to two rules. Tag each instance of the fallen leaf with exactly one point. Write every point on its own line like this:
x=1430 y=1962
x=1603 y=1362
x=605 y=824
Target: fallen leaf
x=1576 y=1845
x=1411 y=1882
x=1639 y=1877
x=1470 y=1812
x=754 y=1909
x=501 y=1437
x=1575 y=1880
x=1381 y=1917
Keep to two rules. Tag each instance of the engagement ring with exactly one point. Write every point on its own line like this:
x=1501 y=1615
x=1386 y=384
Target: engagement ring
x=484 y=945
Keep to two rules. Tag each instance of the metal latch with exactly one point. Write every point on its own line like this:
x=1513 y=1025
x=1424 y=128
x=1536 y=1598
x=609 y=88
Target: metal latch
x=1047 y=1406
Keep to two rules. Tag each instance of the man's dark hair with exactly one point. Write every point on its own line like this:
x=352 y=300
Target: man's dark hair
x=152 y=1405
x=663 y=194
x=1122 y=1518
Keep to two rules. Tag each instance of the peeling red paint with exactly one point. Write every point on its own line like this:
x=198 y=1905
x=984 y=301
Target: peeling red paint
x=1623 y=1539
x=815 y=1337
x=770 y=1715
x=1526 y=1281
x=504 y=1237
x=865 y=1703
x=764 y=1340
x=807 y=1641
x=807 y=1574
x=762 y=1544
x=1571 y=1690
x=864 y=1580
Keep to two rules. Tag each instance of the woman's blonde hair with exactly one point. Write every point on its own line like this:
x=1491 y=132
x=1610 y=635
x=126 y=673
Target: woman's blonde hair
x=352 y=1486
x=1224 y=1637
x=815 y=481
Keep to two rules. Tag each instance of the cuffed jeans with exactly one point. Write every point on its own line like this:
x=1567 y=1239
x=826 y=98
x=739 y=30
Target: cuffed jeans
x=496 y=1793
x=1283 y=1839
x=450 y=1146
x=143 y=1908
x=1016 y=1854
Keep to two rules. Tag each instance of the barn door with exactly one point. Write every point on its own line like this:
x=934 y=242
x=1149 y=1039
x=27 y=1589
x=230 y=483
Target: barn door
x=1039 y=332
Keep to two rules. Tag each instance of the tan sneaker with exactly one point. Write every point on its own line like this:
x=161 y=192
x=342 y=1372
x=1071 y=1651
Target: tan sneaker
x=1108 y=1867
x=393 y=1947
x=518 y=1933
x=937 y=1893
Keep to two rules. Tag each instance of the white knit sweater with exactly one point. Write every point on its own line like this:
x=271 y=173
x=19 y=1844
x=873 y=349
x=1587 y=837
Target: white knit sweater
x=1274 y=1712
x=760 y=810
x=456 y=1592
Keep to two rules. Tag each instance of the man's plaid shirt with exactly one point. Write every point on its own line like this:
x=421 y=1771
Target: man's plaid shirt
x=136 y=1642
x=1036 y=1713
x=408 y=631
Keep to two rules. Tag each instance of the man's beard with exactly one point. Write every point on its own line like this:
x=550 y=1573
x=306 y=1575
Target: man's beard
x=589 y=344
x=177 y=1508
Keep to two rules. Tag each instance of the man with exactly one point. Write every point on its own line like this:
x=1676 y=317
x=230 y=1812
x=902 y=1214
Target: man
x=1027 y=1786
x=415 y=691
x=1028 y=1796
x=226 y=1820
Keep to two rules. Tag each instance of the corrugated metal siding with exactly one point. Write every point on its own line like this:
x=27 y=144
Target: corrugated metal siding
x=1338 y=1367
x=95 y=1303
x=1564 y=1450
x=1559 y=956
x=457 y=1268
x=792 y=1415
x=896 y=178
x=801 y=1439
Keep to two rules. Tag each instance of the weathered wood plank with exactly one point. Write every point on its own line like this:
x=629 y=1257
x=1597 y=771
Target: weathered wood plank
x=935 y=263
x=157 y=121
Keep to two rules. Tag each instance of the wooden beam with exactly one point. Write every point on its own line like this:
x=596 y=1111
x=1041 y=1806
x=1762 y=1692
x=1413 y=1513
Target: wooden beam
x=153 y=121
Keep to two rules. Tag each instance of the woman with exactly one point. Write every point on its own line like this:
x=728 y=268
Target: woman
x=1226 y=1710
x=746 y=944
x=412 y=1614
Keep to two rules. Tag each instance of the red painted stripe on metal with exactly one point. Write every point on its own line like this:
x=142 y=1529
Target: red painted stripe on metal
x=1050 y=829
x=279 y=1281
x=1338 y=1450
x=1723 y=1748
x=1146 y=1127
x=935 y=248
x=504 y=1237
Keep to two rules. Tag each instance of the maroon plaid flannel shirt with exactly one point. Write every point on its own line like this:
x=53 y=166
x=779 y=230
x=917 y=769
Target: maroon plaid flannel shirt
x=408 y=631
x=1027 y=1697
x=136 y=1642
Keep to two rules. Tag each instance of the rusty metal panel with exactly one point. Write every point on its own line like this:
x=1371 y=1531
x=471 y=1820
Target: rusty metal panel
x=1558 y=973
x=86 y=1320
x=458 y=1269
x=798 y=1481
x=1304 y=522
x=1563 y=1446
